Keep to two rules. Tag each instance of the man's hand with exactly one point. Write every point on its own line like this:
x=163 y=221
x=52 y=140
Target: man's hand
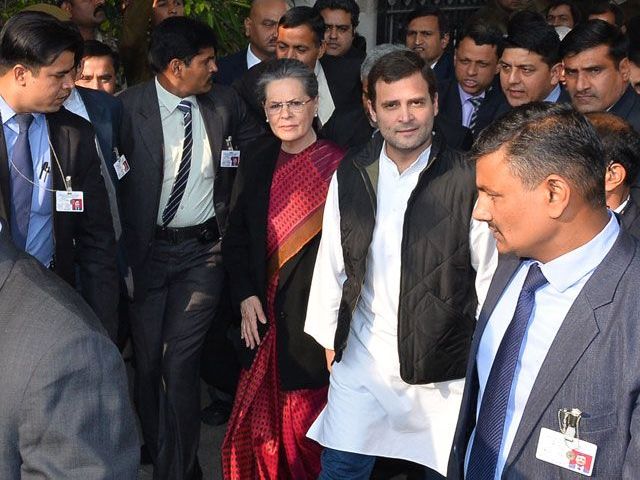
x=251 y=310
x=330 y=354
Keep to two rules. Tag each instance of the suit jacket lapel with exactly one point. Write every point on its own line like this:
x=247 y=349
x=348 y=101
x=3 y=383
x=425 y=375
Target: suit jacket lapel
x=59 y=138
x=101 y=124
x=150 y=124
x=578 y=330
x=213 y=126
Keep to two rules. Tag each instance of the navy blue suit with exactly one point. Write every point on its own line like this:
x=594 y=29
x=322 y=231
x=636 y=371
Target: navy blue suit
x=231 y=67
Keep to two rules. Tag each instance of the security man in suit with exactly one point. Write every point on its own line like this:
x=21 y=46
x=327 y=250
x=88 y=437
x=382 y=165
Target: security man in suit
x=549 y=370
x=64 y=410
x=261 y=28
x=530 y=66
x=596 y=69
x=178 y=134
x=48 y=158
x=473 y=98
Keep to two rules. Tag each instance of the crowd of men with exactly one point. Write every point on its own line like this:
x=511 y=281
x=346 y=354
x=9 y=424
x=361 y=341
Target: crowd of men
x=491 y=186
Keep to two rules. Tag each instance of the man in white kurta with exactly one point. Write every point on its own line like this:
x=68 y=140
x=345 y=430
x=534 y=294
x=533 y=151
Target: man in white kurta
x=371 y=411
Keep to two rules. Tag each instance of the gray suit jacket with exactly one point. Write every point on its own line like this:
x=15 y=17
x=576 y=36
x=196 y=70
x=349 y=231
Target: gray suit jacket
x=593 y=364
x=224 y=114
x=64 y=403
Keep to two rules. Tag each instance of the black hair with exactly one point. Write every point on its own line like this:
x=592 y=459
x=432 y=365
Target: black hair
x=298 y=16
x=349 y=6
x=575 y=11
x=179 y=37
x=398 y=65
x=592 y=34
x=620 y=141
x=530 y=31
x=483 y=34
x=634 y=55
x=604 y=6
x=35 y=40
x=94 y=48
x=428 y=11
x=540 y=139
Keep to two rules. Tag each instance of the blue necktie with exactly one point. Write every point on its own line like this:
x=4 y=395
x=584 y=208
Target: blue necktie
x=180 y=183
x=493 y=408
x=21 y=182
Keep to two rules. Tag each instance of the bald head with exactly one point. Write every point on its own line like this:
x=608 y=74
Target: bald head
x=261 y=26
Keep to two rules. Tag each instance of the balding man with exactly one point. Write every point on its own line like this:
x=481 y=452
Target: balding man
x=261 y=28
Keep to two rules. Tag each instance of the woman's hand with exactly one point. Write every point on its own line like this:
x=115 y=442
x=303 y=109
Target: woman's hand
x=251 y=310
x=330 y=354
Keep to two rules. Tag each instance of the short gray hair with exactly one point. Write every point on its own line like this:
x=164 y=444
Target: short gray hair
x=287 y=68
x=376 y=54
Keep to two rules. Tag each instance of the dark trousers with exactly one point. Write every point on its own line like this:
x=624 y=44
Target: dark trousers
x=168 y=327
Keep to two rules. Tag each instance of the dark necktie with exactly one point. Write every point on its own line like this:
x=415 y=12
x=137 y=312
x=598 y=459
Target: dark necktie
x=493 y=409
x=21 y=182
x=180 y=183
x=475 y=101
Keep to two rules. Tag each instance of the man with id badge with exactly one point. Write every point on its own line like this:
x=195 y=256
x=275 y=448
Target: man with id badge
x=52 y=193
x=182 y=138
x=552 y=384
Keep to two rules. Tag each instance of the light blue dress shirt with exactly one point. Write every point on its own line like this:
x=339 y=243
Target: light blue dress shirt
x=567 y=276
x=467 y=106
x=554 y=95
x=40 y=235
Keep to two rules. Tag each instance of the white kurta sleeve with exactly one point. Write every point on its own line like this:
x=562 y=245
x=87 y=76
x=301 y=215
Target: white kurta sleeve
x=328 y=275
x=484 y=258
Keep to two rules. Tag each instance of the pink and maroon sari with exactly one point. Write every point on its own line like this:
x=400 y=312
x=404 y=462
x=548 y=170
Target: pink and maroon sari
x=266 y=434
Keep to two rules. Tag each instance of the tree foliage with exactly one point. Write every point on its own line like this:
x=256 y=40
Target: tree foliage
x=224 y=16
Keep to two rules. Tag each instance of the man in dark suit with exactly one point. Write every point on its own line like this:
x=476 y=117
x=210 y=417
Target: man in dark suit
x=64 y=409
x=301 y=36
x=622 y=151
x=548 y=377
x=530 y=66
x=597 y=71
x=474 y=98
x=44 y=148
x=176 y=129
x=341 y=18
x=261 y=28
x=427 y=34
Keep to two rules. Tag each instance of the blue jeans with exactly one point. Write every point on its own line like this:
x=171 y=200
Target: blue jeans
x=339 y=465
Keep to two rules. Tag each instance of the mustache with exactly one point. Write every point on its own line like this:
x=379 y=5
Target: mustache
x=99 y=8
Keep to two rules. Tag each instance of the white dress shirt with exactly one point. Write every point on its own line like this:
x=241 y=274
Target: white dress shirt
x=371 y=410
x=196 y=206
x=567 y=276
x=325 y=100
x=252 y=58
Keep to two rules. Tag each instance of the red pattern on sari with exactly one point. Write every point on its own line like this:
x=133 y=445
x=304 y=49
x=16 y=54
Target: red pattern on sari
x=266 y=434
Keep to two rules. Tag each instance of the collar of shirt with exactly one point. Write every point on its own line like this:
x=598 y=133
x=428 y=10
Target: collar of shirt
x=465 y=97
x=8 y=113
x=252 y=59
x=622 y=206
x=75 y=104
x=554 y=95
x=169 y=101
x=568 y=269
x=419 y=164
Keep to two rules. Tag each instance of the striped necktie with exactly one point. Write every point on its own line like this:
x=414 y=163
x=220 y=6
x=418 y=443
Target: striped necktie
x=475 y=101
x=180 y=183
x=483 y=460
x=21 y=182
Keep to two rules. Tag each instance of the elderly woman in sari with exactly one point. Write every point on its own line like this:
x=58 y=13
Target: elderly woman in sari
x=269 y=250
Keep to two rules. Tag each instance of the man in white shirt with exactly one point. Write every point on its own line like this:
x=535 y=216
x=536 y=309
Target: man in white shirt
x=176 y=193
x=549 y=369
x=392 y=298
